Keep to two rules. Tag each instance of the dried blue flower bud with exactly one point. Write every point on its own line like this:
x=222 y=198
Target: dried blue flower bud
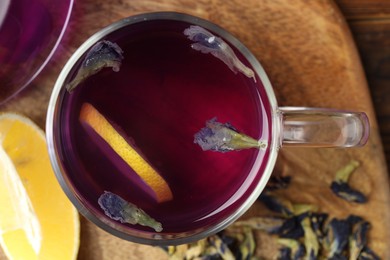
x=121 y=210
x=338 y=257
x=210 y=257
x=353 y=219
x=284 y=253
x=344 y=191
x=340 y=185
x=278 y=182
x=310 y=239
x=228 y=240
x=368 y=254
x=317 y=224
x=299 y=209
x=223 y=138
x=206 y=42
x=343 y=174
x=358 y=239
x=338 y=232
x=102 y=54
x=296 y=249
x=291 y=228
x=248 y=245
x=277 y=204
x=222 y=249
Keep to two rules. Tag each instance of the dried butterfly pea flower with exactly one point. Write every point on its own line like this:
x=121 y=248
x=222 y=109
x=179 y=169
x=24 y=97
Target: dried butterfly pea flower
x=210 y=253
x=299 y=209
x=224 y=137
x=278 y=182
x=368 y=254
x=232 y=237
x=291 y=228
x=344 y=191
x=300 y=223
x=337 y=236
x=295 y=249
x=353 y=219
x=284 y=253
x=238 y=237
x=206 y=42
x=277 y=204
x=352 y=231
x=310 y=239
x=209 y=257
x=338 y=257
x=358 y=239
x=121 y=210
x=102 y=54
x=343 y=174
x=221 y=248
x=209 y=248
x=317 y=224
x=244 y=244
x=248 y=245
x=228 y=240
x=340 y=185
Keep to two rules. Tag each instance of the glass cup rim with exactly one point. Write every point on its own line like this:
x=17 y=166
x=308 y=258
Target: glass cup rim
x=173 y=16
x=53 y=48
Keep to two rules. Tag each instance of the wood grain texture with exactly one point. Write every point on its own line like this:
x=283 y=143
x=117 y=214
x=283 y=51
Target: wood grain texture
x=373 y=41
x=308 y=52
x=370 y=25
x=365 y=9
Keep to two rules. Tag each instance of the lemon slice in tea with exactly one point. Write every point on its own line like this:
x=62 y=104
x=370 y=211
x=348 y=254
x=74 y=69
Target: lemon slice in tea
x=92 y=118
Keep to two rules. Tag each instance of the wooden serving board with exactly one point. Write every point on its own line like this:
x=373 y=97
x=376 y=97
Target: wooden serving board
x=308 y=52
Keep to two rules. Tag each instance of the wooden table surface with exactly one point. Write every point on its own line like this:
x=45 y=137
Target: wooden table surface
x=369 y=21
x=288 y=37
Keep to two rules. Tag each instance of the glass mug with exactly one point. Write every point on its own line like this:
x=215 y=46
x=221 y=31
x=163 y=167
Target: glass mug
x=172 y=73
x=30 y=32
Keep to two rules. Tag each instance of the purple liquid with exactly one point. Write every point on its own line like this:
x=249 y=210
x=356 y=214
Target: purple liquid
x=163 y=94
x=29 y=32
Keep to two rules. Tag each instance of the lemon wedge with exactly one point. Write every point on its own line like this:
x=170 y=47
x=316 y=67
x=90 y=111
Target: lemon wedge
x=37 y=220
x=16 y=209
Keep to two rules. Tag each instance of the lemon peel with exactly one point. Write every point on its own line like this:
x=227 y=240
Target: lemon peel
x=25 y=169
x=93 y=118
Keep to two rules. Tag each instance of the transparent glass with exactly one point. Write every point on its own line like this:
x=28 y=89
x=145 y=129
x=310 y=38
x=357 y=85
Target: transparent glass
x=320 y=127
x=30 y=31
x=287 y=126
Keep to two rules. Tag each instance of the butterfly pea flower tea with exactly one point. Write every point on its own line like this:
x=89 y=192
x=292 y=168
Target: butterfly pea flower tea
x=130 y=135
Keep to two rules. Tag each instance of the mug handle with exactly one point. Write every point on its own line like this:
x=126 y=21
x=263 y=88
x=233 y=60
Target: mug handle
x=321 y=127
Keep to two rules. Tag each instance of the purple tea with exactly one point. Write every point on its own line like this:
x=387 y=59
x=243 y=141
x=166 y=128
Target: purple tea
x=29 y=33
x=163 y=94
